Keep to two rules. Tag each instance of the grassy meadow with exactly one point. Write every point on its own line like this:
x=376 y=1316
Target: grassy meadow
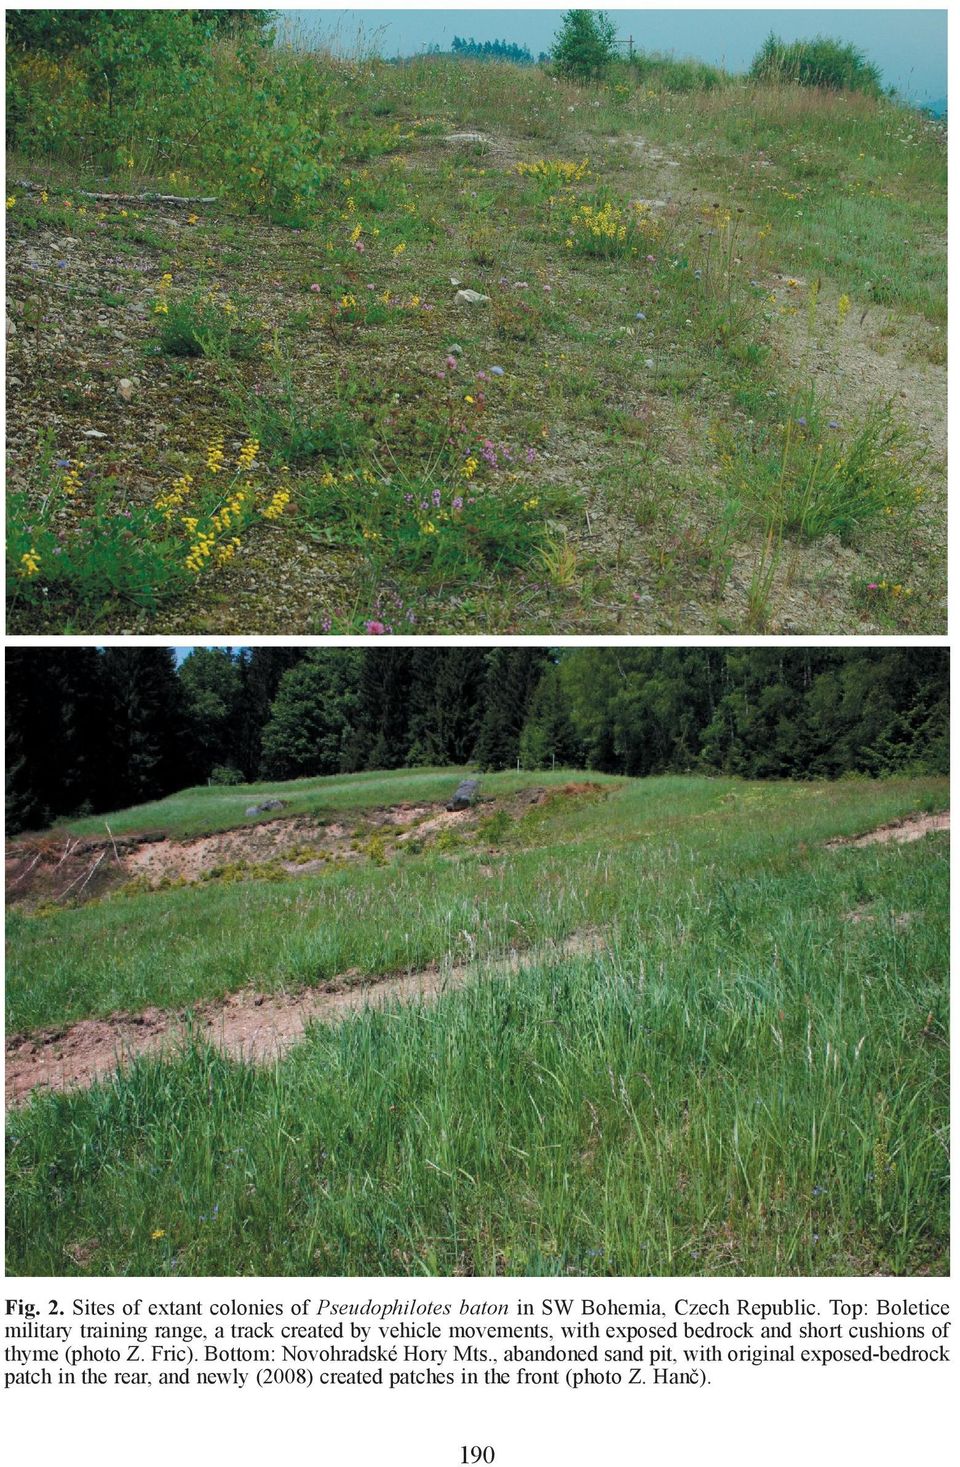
x=706 y=392
x=746 y=1074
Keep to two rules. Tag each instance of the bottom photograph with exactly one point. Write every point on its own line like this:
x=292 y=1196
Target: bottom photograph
x=477 y=961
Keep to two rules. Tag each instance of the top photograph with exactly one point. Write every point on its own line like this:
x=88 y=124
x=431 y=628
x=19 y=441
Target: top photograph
x=467 y=322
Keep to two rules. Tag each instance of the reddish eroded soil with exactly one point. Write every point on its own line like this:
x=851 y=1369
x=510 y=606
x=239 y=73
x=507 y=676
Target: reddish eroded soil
x=254 y=1027
x=58 y=867
x=912 y=827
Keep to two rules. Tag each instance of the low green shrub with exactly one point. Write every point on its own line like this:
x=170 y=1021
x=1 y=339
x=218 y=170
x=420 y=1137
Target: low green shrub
x=818 y=63
x=813 y=478
x=494 y=828
x=669 y=75
x=204 y=324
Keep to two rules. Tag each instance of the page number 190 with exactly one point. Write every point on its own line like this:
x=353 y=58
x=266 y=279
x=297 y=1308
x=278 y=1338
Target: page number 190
x=470 y=1456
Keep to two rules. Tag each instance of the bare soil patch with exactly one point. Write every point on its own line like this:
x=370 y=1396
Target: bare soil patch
x=57 y=868
x=253 y=1027
x=911 y=828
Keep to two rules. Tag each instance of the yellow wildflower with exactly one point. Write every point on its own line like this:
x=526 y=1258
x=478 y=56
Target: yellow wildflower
x=71 y=479
x=277 y=505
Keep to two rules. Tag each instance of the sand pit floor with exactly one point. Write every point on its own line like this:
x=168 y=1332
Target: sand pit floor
x=255 y=1028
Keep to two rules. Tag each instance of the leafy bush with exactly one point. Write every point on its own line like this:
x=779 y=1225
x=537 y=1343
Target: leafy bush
x=145 y=89
x=73 y=75
x=273 y=125
x=817 y=63
x=226 y=774
x=114 y=49
x=585 y=45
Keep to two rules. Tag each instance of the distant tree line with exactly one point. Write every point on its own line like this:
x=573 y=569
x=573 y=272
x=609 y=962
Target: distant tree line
x=99 y=729
x=495 y=51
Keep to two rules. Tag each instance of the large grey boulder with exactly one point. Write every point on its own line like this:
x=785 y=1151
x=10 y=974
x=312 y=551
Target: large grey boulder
x=465 y=795
x=267 y=805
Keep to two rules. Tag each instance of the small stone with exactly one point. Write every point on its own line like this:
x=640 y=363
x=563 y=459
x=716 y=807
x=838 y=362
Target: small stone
x=125 y=389
x=467 y=137
x=93 y=433
x=455 y=350
x=470 y=298
x=11 y=329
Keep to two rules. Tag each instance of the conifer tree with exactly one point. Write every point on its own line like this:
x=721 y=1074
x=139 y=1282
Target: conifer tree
x=548 y=736
x=145 y=747
x=512 y=674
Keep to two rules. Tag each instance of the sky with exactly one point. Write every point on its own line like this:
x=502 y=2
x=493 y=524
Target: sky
x=909 y=46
